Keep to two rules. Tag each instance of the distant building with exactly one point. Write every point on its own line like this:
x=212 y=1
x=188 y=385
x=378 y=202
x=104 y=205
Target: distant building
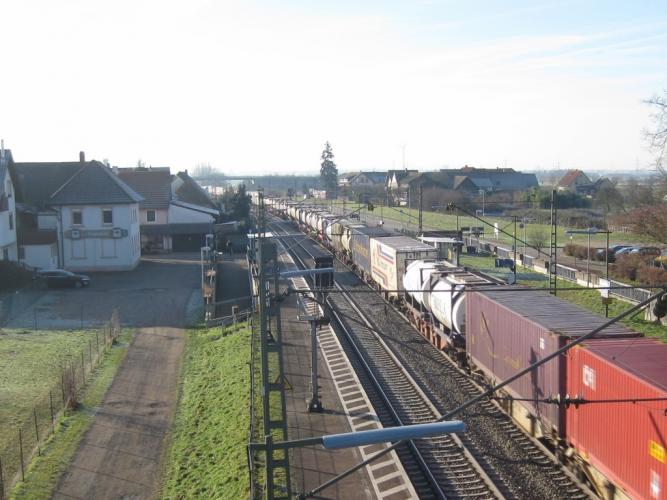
x=8 y=242
x=368 y=179
x=576 y=181
x=491 y=179
x=90 y=215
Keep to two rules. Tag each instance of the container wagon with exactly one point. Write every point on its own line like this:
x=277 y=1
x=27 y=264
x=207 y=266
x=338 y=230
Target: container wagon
x=508 y=330
x=316 y=257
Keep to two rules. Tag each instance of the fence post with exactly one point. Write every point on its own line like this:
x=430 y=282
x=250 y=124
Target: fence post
x=51 y=407
x=83 y=369
x=2 y=483
x=81 y=316
x=34 y=412
x=21 y=453
x=62 y=386
x=97 y=342
x=90 y=353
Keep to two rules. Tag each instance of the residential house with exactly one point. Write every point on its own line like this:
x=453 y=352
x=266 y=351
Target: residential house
x=90 y=214
x=8 y=246
x=575 y=181
x=191 y=213
x=492 y=179
x=176 y=213
x=397 y=185
x=344 y=179
x=368 y=179
x=154 y=185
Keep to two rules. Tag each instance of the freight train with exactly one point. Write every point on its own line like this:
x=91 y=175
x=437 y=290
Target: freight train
x=602 y=406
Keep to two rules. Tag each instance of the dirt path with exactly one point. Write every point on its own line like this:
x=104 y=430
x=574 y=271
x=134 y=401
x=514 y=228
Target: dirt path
x=119 y=455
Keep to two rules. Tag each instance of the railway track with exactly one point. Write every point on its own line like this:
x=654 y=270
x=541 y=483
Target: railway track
x=519 y=466
x=439 y=467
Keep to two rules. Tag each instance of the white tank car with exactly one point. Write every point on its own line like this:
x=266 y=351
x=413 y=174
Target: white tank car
x=416 y=276
x=444 y=295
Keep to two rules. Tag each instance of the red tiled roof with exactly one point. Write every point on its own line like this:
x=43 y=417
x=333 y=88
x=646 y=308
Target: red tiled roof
x=568 y=179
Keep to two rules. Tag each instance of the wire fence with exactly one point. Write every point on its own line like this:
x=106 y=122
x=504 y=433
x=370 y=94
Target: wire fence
x=27 y=440
x=255 y=460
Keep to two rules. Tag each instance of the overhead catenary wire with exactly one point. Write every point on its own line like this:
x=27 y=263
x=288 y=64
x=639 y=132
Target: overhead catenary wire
x=486 y=394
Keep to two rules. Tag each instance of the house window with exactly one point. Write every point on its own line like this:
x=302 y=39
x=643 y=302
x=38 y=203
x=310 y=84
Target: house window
x=107 y=216
x=150 y=215
x=77 y=217
x=11 y=221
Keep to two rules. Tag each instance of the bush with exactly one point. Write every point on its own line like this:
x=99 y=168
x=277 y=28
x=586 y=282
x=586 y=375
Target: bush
x=652 y=275
x=13 y=276
x=577 y=251
x=628 y=266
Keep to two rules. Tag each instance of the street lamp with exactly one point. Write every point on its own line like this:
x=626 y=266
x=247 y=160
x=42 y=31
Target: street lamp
x=590 y=231
x=361 y=438
x=482 y=192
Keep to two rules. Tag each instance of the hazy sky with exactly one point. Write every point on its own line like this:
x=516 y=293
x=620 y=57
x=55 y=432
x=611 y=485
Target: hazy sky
x=252 y=86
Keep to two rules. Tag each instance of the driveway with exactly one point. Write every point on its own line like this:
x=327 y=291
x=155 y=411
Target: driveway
x=154 y=293
x=118 y=458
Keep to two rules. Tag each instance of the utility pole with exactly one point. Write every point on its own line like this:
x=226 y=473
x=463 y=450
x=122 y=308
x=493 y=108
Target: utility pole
x=271 y=356
x=553 y=257
x=421 y=210
x=514 y=250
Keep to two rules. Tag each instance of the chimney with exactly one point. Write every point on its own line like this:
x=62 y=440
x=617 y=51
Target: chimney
x=82 y=156
x=115 y=169
x=2 y=149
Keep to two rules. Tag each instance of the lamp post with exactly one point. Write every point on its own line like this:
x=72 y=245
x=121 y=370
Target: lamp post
x=361 y=438
x=590 y=231
x=482 y=192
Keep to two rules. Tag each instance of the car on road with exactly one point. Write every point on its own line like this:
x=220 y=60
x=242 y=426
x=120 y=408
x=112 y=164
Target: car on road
x=59 y=278
x=624 y=251
x=613 y=250
x=645 y=251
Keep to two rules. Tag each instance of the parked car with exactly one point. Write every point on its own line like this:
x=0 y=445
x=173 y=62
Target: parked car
x=624 y=251
x=645 y=251
x=661 y=261
x=599 y=254
x=56 y=278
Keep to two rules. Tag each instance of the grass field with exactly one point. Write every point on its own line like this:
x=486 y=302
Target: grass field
x=45 y=470
x=207 y=455
x=439 y=220
x=586 y=298
x=30 y=364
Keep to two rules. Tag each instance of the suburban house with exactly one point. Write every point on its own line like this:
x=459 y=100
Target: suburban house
x=397 y=184
x=8 y=246
x=176 y=213
x=368 y=179
x=154 y=185
x=344 y=179
x=491 y=179
x=575 y=181
x=76 y=215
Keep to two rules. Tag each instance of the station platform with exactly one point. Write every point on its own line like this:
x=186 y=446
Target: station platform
x=313 y=466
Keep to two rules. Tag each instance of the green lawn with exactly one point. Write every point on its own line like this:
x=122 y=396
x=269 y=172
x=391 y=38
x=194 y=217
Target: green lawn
x=207 y=456
x=584 y=297
x=440 y=220
x=56 y=454
x=30 y=364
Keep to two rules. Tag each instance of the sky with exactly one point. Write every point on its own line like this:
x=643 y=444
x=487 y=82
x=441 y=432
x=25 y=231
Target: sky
x=259 y=86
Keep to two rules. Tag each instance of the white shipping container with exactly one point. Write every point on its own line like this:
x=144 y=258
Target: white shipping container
x=391 y=255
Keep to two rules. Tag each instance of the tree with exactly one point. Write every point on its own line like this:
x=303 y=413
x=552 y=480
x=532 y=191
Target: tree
x=328 y=170
x=240 y=203
x=608 y=198
x=538 y=236
x=204 y=170
x=650 y=221
x=657 y=137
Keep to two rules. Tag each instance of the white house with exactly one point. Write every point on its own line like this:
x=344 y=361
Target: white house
x=8 y=247
x=94 y=214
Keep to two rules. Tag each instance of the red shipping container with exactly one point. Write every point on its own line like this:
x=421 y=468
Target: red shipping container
x=508 y=330
x=625 y=441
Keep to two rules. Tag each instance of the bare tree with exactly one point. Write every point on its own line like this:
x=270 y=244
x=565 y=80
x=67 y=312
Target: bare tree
x=657 y=137
x=538 y=237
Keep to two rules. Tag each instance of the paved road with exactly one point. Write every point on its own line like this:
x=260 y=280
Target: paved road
x=118 y=457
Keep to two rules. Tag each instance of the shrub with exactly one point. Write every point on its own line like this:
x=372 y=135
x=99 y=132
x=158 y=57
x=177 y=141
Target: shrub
x=627 y=266
x=12 y=275
x=652 y=275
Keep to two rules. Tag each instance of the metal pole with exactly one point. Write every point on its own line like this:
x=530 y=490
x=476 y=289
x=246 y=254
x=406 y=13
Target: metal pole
x=314 y=405
x=515 y=249
x=606 y=262
x=421 y=210
x=588 y=261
